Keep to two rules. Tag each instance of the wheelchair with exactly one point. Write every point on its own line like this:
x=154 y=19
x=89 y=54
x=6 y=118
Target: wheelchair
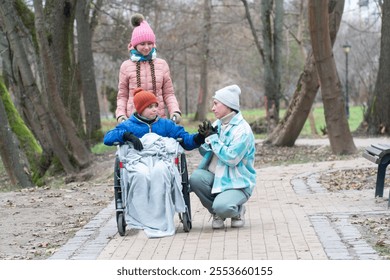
x=181 y=164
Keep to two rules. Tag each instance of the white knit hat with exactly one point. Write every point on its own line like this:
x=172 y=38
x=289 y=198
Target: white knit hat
x=229 y=96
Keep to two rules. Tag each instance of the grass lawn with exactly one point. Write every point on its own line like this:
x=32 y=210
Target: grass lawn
x=355 y=118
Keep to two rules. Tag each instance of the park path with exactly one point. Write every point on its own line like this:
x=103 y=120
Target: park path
x=289 y=217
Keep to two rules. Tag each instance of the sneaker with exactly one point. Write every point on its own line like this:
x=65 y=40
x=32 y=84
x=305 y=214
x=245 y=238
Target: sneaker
x=239 y=221
x=218 y=222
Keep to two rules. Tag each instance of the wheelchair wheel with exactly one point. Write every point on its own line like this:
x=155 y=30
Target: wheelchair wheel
x=117 y=186
x=185 y=185
x=187 y=225
x=120 y=220
x=117 y=173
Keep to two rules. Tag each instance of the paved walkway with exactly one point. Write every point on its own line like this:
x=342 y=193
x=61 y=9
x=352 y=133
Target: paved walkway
x=289 y=217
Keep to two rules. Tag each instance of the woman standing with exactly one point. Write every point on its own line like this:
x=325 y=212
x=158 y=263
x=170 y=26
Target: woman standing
x=145 y=70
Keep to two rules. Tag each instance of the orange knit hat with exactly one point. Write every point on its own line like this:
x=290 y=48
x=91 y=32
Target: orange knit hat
x=143 y=99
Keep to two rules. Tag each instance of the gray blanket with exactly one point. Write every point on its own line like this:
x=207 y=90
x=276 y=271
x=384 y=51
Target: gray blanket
x=151 y=185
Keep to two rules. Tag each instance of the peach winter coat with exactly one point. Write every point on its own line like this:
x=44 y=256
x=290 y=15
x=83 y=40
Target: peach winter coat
x=128 y=83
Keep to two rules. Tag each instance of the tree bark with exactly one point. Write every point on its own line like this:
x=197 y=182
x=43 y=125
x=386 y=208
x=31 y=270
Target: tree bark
x=378 y=114
x=59 y=25
x=340 y=137
x=201 y=112
x=36 y=161
x=32 y=94
x=79 y=150
x=272 y=19
x=10 y=153
x=312 y=123
x=86 y=66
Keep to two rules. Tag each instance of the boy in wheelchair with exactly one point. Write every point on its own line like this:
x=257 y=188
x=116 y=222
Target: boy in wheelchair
x=149 y=197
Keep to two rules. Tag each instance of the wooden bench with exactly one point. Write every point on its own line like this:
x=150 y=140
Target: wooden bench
x=379 y=154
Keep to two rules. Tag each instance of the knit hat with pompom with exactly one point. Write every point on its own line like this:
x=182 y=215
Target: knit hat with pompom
x=143 y=99
x=142 y=31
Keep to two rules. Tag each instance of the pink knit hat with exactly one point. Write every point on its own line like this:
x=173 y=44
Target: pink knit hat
x=142 y=31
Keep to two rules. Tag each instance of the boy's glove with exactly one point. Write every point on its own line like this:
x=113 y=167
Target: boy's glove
x=206 y=129
x=128 y=136
x=176 y=117
x=199 y=139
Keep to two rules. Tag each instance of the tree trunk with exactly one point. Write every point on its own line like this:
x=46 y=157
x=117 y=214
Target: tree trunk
x=272 y=19
x=201 y=112
x=10 y=153
x=289 y=128
x=87 y=73
x=32 y=94
x=35 y=125
x=27 y=143
x=378 y=114
x=312 y=123
x=340 y=137
x=59 y=23
x=79 y=150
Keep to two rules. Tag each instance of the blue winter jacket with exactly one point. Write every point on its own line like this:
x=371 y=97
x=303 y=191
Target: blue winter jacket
x=160 y=126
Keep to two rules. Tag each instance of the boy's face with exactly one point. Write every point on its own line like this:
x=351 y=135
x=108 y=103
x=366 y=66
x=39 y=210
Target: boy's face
x=150 y=112
x=220 y=110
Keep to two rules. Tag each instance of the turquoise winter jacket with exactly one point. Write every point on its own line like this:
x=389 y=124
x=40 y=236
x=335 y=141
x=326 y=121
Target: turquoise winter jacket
x=235 y=149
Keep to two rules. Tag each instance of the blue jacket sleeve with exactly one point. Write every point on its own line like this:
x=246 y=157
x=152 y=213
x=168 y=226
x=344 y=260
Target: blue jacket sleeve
x=177 y=131
x=114 y=136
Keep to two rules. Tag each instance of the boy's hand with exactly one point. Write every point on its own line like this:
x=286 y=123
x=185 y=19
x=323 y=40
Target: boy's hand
x=206 y=129
x=130 y=137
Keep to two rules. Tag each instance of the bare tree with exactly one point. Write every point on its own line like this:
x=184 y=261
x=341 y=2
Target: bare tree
x=35 y=105
x=272 y=32
x=378 y=113
x=204 y=55
x=272 y=19
x=289 y=128
x=79 y=149
x=87 y=73
x=59 y=18
x=74 y=74
x=340 y=137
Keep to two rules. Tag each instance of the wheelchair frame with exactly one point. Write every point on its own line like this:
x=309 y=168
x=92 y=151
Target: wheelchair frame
x=185 y=218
